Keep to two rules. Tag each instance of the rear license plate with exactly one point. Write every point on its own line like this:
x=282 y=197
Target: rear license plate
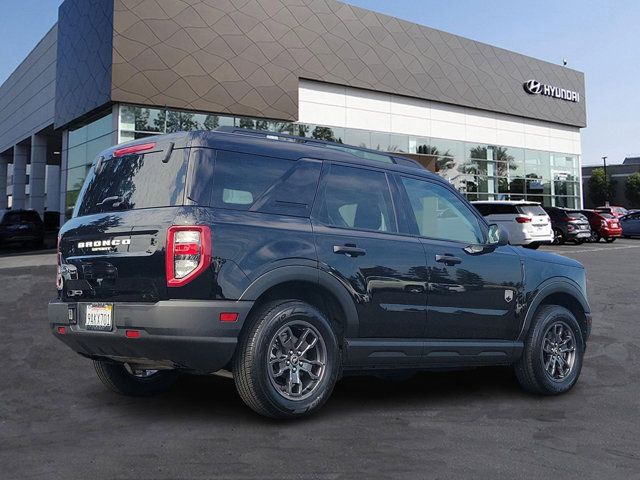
x=584 y=234
x=99 y=316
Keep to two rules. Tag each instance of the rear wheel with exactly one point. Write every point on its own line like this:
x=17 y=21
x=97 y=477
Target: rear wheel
x=610 y=239
x=126 y=380
x=553 y=351
x=558 y=237
x=288 y=361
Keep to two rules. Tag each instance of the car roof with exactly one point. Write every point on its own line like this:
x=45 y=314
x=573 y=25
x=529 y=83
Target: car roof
x=283 y=146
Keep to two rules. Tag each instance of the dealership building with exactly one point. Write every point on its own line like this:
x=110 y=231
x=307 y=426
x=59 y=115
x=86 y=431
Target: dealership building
x=496 y=124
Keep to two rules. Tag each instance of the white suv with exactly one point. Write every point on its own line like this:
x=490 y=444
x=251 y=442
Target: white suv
x=528 y=224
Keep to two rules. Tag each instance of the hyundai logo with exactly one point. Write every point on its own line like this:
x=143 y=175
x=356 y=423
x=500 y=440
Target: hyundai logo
x=535 y=87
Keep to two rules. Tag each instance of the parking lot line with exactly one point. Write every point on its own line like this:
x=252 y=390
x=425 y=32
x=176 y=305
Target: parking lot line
x=595 y=249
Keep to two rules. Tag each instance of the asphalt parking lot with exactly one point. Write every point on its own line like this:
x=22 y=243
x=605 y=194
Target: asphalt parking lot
x=57 y=420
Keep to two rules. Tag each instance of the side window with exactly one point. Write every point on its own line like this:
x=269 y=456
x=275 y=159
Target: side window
x=356 y=198
x=241 y=178
x=440 y=214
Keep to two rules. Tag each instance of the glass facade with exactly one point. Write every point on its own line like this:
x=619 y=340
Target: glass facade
x=83 y=145
x=479 y=171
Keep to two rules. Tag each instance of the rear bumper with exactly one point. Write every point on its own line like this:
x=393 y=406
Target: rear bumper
x=611 y=232
x=183 y=334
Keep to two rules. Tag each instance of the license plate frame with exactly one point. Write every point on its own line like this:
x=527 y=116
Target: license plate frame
x=98 y=317
x=584 y=234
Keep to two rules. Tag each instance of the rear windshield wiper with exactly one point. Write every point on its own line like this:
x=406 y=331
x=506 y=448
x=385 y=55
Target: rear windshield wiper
x=115 y=201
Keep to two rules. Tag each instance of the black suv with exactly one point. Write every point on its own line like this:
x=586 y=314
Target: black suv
x=24 y=227
x=568 y=225
x=291 y=262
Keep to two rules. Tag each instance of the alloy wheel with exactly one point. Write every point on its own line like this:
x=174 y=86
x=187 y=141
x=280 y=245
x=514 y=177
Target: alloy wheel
x=558 y=351
x=296 y=360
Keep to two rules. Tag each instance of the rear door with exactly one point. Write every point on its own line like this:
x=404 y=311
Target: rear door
x=472 y=294
x=113 y=247
x=357 y=239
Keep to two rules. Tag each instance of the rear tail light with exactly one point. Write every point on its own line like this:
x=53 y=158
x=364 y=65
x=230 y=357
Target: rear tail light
x=58 y=267
x=603 y=223
x=523 y=219
x=188 y=253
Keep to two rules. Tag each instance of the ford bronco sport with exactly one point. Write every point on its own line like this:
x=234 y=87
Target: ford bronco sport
x=290 y=262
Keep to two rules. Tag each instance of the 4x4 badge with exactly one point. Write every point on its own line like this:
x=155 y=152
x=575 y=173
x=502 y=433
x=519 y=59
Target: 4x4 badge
x=508 y=296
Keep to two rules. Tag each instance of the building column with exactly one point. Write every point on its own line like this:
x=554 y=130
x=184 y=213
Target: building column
x=19 y=176
x=3 y=182
x=52 y=203
x=37 y=174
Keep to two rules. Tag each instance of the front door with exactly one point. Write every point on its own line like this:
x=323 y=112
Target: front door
x=473 y=293
x=357 y=240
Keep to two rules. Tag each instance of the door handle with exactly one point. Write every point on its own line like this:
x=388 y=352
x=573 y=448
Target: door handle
x=349 y=250
x=448 y=259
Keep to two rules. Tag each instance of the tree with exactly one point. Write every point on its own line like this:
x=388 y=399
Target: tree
x=323 y=133
x=600 y=188
x=632 y=189
x=211 y=122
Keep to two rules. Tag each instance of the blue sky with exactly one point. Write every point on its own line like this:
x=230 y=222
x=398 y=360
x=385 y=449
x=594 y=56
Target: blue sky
x=598 y=37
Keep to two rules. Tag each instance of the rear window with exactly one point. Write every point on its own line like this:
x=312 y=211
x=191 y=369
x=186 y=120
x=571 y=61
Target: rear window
x=495 y=208
x=605 y=215
x=531 y=210
x=134 y=182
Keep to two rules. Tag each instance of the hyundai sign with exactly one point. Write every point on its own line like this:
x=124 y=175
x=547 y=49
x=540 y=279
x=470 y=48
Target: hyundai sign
x=534 y=87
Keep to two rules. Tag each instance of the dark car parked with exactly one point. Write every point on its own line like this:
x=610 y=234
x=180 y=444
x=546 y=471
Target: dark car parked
x=23 y=227
x=603 y=226
x=631 y=225
x=568 y=225
x=291 y=262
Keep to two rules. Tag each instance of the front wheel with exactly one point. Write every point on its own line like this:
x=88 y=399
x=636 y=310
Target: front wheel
x=553 y=352
x=288 y=361
x=127 y=380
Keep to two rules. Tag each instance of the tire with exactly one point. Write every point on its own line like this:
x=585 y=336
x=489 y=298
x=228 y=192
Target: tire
x=273 y=329
x=530 y=368
x=122 y=380
x=578 y=241
x=558 y=237
x=610 y=239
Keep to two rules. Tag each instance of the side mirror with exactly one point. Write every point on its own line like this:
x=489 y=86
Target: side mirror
x=498 y=236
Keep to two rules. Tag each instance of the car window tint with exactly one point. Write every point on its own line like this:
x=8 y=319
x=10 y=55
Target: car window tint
x=357 y=198
x=441 y=214
x=240 y=179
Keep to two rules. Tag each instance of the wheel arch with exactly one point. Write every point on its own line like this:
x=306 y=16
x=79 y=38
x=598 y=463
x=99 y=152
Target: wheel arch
x=312 y=285
x=557 y=291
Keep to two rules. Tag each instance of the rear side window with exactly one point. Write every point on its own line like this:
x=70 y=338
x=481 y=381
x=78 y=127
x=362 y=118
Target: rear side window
x=356 y=198
x=240 y=179
x=134 y=182
x=531 y=210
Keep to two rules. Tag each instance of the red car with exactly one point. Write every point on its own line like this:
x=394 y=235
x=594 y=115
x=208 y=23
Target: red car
x=613 y=210
x=603 y=225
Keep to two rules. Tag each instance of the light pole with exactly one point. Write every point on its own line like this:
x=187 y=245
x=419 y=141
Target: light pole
x=606 y=182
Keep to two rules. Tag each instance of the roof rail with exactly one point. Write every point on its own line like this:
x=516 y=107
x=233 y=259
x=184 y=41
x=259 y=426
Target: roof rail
x=359 y=152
